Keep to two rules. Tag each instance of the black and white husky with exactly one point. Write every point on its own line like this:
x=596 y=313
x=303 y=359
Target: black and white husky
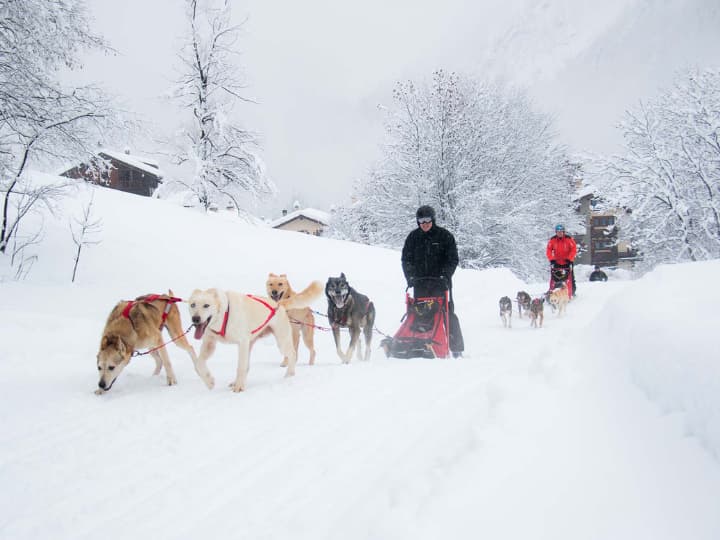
x=349 y=309
x=506 y=311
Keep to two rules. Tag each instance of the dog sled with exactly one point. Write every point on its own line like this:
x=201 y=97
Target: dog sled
x=559 y=274
x=424 y=328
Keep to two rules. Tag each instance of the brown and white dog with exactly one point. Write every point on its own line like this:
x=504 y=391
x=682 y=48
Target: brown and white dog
x=233 y=317
x=278 y=288
x=506 y=311
x=559 y=298
x=536 y=312
x=138 y=324
x=523 y=301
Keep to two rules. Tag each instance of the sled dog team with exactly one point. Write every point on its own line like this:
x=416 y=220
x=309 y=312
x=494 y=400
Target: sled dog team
x=558 y=298
x=222 y=316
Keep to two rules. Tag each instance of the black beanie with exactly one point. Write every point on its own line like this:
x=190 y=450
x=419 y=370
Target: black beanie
x=425 y=211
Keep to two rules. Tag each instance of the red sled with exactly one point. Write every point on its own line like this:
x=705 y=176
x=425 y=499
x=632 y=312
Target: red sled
x=559 y=274
x=424 y=329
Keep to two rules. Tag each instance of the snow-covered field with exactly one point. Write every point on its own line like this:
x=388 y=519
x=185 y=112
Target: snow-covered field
x=602 y=425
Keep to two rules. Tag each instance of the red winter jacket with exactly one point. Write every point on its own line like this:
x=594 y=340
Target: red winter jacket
x=562 y=250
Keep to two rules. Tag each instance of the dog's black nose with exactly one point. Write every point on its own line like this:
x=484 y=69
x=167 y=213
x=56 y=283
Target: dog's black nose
x=102 y=384
x=196 y=319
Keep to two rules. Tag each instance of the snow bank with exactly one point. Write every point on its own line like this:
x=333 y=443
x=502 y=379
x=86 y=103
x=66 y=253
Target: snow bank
x=663 y=328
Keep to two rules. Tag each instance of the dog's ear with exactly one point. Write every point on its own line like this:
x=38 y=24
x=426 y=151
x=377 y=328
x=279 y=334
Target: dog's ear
x=195 y=292
x=342 y=276
x=104 y=343
x=121 y=347
x=283 y=275
x=271 y=275
x=219 y=298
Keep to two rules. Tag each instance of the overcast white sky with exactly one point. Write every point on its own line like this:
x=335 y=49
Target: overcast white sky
x=319 y=69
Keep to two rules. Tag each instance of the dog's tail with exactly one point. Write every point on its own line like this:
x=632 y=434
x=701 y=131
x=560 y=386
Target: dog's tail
x=304 y=298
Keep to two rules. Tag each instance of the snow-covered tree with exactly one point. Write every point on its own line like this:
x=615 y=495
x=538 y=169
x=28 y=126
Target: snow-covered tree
x=42 y=120
x=669 y=173
x=482 y=157
x=221 y=154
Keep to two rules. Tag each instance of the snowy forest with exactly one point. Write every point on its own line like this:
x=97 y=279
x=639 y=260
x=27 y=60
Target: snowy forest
x=482 y=152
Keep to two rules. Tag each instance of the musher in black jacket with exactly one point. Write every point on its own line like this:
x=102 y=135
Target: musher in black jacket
x=430 y=251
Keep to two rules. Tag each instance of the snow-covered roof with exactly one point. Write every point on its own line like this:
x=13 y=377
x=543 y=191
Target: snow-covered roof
x=139 y=162
x=310 y=213
x=585 y=191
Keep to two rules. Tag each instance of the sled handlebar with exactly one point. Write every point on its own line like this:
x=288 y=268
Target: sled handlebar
x=432 y=279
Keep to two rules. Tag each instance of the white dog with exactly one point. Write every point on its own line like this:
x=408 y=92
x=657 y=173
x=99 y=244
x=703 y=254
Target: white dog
x=233 y=317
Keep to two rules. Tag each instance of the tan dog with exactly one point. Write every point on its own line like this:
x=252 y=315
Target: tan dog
x=302 y=321
x=233 y=317
x=137 y=325
x=559 y=298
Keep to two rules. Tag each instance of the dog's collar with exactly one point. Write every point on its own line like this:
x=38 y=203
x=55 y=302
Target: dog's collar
x=223 y=328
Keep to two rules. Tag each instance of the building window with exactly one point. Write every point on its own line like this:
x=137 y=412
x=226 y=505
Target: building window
x=124 y=178
x=603 y=221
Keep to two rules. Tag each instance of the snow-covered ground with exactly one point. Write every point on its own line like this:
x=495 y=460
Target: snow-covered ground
x=602 y=425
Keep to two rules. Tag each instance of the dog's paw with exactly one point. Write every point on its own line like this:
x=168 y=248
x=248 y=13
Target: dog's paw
x=99 y=392
x=209 y=382
x=284 y=363
x=236 y=387
x=171 y=381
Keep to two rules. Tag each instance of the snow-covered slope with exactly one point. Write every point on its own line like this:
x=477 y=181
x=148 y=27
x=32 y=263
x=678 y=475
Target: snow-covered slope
x=533 y=434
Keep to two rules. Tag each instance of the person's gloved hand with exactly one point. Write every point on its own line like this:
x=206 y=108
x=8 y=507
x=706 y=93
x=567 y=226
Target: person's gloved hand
x=553 y=262
x=411 y=282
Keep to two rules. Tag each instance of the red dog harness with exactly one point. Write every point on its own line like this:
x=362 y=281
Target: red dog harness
x=149 y=299
x=270 y=315
x=272 y=310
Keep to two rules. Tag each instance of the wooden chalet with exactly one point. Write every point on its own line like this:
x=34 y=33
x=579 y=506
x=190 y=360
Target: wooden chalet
x=119 y=170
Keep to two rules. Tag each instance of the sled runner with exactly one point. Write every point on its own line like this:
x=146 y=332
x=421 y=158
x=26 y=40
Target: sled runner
x=423 y=332
x=559 y=274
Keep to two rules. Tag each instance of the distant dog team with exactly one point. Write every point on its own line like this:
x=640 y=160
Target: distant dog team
x=558 y=298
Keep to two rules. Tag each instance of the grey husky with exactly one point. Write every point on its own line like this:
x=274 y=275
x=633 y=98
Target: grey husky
x=506 y=311
x=349 y=309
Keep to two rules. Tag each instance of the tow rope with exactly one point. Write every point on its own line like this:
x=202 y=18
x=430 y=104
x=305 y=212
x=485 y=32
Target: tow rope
x=136 y=353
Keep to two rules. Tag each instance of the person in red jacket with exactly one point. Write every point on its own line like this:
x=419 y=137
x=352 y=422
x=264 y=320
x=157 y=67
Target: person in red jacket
x=561 y=251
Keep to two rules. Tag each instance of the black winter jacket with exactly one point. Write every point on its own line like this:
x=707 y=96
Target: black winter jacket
x=429 y=254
